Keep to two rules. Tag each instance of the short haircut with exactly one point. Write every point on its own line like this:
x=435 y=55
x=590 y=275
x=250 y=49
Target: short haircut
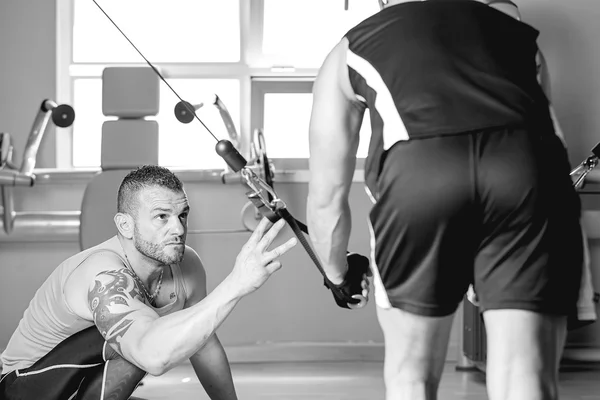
x=146 y=176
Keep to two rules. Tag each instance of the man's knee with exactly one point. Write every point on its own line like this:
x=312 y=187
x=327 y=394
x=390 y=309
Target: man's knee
x=415 y=345
x=118 y=369
x=524 y=350
x=116 y=380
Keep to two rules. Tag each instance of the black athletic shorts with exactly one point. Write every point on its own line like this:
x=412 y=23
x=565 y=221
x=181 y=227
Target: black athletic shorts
x=81 y=367
x=494 y=208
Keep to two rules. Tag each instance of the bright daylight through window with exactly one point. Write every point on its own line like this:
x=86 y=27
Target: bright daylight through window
x=206 y=47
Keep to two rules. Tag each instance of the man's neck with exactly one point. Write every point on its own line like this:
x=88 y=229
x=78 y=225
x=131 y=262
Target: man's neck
x=146 y=269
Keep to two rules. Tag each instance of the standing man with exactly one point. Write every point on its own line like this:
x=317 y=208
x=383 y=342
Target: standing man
x=469 y=182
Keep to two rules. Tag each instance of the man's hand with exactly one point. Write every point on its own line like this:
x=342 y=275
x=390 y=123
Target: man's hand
x=255 y=263
x=356 y=282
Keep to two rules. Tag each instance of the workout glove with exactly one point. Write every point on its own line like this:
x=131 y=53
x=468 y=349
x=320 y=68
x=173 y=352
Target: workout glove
x=358 y=266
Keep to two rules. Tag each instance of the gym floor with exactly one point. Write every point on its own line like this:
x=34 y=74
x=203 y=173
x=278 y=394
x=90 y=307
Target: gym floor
x=344 y=380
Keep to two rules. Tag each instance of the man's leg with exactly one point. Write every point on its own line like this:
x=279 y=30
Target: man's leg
x=415 y=353
x=523 y=354
x=61 y=373
x=423 y=243
x=528 y=269
x=115 y=380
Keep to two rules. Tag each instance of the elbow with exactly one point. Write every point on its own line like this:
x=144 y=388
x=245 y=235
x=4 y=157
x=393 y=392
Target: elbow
x=320 y=199
x=324 y=193
x=156 y=367
x=332 y=200
x=153 y=362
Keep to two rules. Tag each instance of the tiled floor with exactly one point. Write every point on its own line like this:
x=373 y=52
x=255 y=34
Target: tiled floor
x=343 y=380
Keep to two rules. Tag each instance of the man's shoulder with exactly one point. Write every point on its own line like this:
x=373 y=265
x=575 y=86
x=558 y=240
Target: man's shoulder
x=98 y=262
x=105 y=253
x=90 y=265
x=103 y=260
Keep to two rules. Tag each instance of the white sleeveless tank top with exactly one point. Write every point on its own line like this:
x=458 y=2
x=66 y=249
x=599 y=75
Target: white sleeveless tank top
x=48 y=320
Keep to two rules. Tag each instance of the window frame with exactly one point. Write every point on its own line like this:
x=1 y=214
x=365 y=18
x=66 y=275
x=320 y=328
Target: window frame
x=253 y=70
x=262 y=86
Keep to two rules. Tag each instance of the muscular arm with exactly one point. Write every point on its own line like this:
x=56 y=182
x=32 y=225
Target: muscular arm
x=210 y=362
x=334 y=134
x=136 y=332
x=544 y=80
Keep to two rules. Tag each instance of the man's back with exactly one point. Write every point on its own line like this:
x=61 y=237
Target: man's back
x=437 y=68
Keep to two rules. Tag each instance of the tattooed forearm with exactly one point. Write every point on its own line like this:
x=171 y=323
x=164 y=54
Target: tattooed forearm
x=110 y=301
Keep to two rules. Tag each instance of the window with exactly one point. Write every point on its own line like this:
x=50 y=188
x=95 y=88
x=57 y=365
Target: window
x=182 y=31
x=181 y=145
x=259 y=56
x=189 y=145
x=302 y=32
x=281 y=109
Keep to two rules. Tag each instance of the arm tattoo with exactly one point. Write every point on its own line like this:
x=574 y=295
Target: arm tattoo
x=110 y=302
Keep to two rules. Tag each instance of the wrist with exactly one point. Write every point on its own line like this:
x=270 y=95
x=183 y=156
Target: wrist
x=337 y=275
x=233 y=288
x=336 y=280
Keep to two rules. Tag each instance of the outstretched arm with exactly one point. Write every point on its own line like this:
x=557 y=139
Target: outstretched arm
x=156 y=344
x=210 y=362
x=136 y=332
x=334 y=134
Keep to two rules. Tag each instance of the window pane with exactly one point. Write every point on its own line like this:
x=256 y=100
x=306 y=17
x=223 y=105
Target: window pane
x=190 y=145
x=87 y=128
x=164 y=31
x=180 y=145
x=286 y=121
x=301 y=33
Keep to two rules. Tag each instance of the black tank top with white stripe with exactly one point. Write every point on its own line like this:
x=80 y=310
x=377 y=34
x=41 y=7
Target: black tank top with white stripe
x=443 y=67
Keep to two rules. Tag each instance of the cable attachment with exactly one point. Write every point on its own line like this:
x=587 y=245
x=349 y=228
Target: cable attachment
x=585 y=167
x=262 y=196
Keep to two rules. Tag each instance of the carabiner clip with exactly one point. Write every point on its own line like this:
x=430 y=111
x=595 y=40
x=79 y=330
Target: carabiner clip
x=582 y=170
x=266 y=206
x=258 y=185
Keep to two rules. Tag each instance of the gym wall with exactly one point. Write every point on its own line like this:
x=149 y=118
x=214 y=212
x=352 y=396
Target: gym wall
x=293 y=307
